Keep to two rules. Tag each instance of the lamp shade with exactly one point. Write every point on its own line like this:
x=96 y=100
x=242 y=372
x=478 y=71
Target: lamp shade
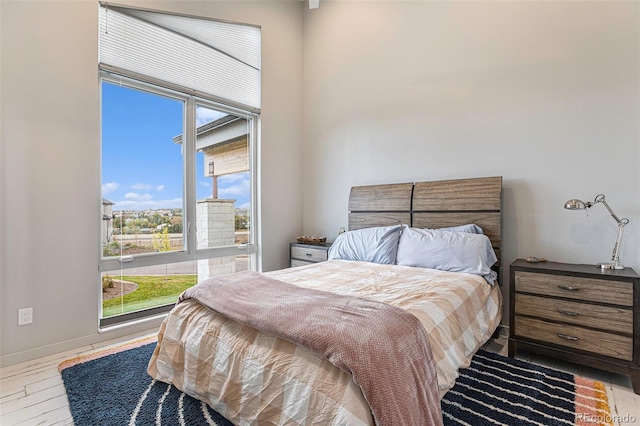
x=575 y=204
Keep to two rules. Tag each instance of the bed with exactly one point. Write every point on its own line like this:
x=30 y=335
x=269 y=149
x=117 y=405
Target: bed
x=263 y=377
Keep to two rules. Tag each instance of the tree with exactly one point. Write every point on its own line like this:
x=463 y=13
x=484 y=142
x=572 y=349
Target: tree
x=242 y=220
x=176 y=225
x=161 y=240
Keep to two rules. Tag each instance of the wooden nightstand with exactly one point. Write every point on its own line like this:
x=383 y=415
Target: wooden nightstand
x=579 y=313
x=304 y=254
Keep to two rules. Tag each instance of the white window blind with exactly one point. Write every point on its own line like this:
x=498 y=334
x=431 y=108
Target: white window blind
x=215 y=58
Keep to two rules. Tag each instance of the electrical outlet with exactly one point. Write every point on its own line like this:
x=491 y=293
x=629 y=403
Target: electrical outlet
x=25 y=316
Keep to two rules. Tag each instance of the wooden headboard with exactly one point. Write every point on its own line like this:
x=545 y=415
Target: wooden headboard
x=434 y=204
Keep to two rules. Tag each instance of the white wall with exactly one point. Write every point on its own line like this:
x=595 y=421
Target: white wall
x=545 y=94
x=50 y=185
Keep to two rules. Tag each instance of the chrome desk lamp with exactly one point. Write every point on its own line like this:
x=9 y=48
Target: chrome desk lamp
x=575 y=204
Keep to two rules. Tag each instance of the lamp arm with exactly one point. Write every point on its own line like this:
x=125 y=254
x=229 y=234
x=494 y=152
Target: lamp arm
x=621 y=222
x=614 y=256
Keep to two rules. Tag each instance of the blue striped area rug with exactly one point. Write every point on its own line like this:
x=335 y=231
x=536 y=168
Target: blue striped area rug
x=112 y=387
x=496 y=390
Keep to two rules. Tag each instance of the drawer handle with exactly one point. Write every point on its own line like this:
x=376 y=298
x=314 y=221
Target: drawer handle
x=568 y=288
x=567 y=337
x=568 y=313
x=308 y=254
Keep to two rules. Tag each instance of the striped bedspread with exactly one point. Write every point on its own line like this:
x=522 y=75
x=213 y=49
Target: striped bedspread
x=384 y=348
x=255 y=378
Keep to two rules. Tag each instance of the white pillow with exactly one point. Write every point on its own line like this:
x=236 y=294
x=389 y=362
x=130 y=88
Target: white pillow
x=378 y=245
x=471 y=228
x=447 y=251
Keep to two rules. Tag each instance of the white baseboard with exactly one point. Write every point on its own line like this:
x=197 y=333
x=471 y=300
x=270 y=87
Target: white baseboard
x=100 y=336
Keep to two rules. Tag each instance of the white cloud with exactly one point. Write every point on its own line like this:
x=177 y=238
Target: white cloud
x=160 y=188
x=141 y=186
x=110 y=187
x=138 y=197
x=234 y=177
x=206 y=115
x=237 y=188
x=133 y=204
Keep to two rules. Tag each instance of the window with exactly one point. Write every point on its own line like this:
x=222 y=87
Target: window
x=178 y=164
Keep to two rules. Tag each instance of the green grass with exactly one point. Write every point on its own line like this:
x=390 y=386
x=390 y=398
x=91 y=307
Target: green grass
x=153 y=290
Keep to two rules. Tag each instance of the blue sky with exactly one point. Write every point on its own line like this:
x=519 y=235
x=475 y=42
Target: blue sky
x=141 y=165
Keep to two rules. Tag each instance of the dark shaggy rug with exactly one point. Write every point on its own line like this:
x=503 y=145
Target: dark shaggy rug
x=113 y=388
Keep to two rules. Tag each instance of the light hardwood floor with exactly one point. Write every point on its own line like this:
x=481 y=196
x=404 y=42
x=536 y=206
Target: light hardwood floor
x=32 y=393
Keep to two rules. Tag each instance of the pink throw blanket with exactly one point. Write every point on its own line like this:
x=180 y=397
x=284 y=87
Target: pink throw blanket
x=385 y=348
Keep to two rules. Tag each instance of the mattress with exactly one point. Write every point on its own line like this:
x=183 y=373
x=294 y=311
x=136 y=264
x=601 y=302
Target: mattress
x=255 y=378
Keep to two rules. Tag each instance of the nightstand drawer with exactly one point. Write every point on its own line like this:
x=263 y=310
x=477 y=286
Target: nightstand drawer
x=604 y=317
x=572 y=287
x=311 y=254
x=575 y=337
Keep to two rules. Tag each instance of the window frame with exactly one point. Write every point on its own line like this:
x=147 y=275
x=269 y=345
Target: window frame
x=190 y=252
